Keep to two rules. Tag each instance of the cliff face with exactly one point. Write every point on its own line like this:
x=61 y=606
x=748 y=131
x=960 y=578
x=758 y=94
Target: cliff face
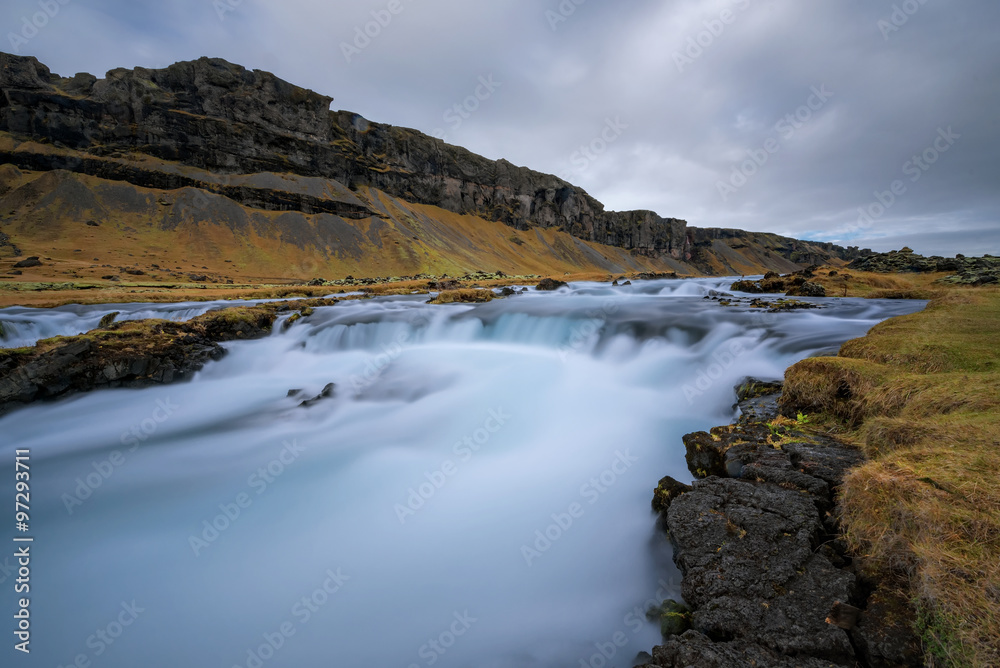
x=219 y=117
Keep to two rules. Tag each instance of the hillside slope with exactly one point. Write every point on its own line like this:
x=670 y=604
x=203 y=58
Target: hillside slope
x=260 y=171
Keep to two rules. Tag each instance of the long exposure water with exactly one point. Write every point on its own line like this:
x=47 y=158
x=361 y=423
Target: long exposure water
x=475 y=492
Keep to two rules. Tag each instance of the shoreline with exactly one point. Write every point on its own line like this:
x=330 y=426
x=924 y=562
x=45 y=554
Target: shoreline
x=867 y=487
x=766 y=571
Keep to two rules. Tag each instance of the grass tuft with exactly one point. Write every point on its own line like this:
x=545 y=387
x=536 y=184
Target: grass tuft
x=921 y=395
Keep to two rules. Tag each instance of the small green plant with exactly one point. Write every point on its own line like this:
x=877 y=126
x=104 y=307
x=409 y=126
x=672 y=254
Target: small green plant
x=802 y=418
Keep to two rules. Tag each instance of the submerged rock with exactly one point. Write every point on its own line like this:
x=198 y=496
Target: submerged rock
x=328 y=392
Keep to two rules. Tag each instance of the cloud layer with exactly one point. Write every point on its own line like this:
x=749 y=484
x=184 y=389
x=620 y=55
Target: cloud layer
x=865 y=123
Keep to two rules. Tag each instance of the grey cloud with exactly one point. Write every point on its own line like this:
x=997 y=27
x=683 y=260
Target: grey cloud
x=687 y=130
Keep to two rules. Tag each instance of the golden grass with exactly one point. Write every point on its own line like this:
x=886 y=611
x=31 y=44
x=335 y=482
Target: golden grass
x=877 y=286
x=921 y=395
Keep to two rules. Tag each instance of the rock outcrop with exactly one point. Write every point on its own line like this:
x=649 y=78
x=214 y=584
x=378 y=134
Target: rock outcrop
x=964 y=270
x=218 y=117
x=131 y=353
x=767 y=577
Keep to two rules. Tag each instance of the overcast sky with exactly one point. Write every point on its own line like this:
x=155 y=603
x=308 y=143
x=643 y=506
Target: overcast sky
x=782 y=116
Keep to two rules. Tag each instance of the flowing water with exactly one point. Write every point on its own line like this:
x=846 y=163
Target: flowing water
x=475 y=493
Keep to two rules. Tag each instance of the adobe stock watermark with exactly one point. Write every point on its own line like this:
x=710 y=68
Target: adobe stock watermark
x=31 y=26
x=587 y=154
x=464 y=450
x=364 y=35
x=259 y=482
x=223 y=7
x=634 y=621
x=785 y=129
x=377 y=364
x=710 y=373
x=914 y=168
x=300 y=614
x=900 y=16
x=104 y=638
x=104 y=468
x=582 y=333
x=455 y=115
x=563 y=521
x=562 y=13
x=703 y=40
x=435 y=648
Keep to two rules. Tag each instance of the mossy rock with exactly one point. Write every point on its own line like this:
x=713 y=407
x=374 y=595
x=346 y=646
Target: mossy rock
x=675 y=618
x=108 y=319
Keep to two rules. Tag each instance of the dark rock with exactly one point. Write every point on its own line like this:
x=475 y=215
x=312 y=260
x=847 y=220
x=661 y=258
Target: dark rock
x=752 y=388
x=705 y=455
x=885 y=635
x=133 y=356
x=93 y=223
x=108 y=319
x=15 y=272
x=135 y=272
x=508 y=292
x=327 y=393
x=750 y=571
x=32 y=261
x=674 y=618
x=668 y=490
x=549 y=284
x=807 y=289
x=695 y=650
x=198 y=278
x=844 y=616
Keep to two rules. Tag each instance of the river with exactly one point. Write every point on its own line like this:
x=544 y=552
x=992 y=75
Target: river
x=474 y=493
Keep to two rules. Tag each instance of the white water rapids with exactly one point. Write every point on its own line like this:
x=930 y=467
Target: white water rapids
x=475 y=494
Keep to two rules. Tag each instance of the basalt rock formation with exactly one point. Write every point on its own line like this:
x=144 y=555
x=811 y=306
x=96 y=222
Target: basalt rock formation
x=766 y=573
x=212 y=125
x=963 y=270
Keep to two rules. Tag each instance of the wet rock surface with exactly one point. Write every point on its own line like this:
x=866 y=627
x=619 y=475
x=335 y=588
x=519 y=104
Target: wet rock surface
x=793 y=285
x=130 y=354
x=550 y=284
x=766 y=575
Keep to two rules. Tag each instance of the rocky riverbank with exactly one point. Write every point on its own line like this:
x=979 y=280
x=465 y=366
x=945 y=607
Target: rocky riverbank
x=133 y=353
x=963 y=270
x=767 y=577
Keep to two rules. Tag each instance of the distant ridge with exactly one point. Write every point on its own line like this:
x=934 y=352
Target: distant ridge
x=241 y=163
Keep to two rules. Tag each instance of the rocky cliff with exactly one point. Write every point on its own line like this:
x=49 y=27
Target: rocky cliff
x=227 y=121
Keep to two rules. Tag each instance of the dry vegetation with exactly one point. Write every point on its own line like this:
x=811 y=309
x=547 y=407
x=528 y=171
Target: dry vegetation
x=921 y=395
x=840 y=282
